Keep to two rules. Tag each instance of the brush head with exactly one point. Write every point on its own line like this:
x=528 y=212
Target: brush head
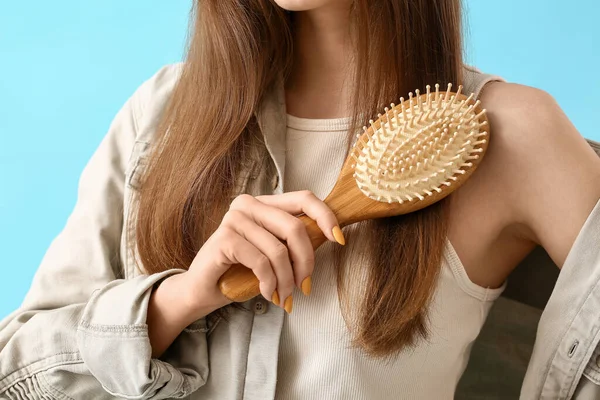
x=422 y=149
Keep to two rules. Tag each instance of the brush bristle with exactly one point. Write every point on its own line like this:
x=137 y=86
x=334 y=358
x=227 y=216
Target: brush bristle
x=415 y=149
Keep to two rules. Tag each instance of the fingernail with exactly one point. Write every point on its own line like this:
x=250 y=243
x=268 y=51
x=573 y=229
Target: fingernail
x=288 y=304
x=306 y=285
x=338 y=235
x=275 y=298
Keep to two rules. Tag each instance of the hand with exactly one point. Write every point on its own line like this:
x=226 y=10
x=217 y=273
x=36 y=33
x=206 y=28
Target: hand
x=262 y=234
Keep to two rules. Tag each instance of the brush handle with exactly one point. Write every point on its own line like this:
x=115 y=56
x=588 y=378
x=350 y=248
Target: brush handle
x=239 y=283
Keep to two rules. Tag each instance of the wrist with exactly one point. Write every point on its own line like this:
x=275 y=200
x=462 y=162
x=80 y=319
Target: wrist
x=183 y=297
x=171 y=297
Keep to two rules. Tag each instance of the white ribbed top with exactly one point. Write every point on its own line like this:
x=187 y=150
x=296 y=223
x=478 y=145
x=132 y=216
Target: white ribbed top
x=315 y=360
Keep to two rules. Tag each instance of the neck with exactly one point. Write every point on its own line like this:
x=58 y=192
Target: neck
x=319 y=81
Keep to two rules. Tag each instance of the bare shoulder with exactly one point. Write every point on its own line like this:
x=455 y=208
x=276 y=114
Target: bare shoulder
x=545 y=175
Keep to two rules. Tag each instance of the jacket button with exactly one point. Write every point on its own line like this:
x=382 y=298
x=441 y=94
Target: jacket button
x=275 y=181
x=260 y=306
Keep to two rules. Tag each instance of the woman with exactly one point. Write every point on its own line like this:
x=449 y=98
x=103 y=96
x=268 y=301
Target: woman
x=126 y=304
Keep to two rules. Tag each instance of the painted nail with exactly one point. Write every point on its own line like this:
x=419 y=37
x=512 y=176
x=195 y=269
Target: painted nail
x=306 y=285
x=338 y=235
x=288 y=304
x=275 y=298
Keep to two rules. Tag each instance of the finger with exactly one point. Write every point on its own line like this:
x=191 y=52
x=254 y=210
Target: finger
x=306 y=202
x=290 y=229
x=237 y=250
x=269 y=245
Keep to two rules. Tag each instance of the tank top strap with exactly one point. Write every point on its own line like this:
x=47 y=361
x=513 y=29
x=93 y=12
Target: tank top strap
x=474 y=80
x=462 y=279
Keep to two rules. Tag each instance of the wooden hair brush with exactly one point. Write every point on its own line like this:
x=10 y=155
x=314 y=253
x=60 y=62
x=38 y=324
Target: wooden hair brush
x=415 y=154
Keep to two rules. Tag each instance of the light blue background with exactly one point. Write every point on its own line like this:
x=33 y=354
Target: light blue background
x=67 y=66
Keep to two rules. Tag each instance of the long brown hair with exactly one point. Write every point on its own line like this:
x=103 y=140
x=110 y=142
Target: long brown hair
x=237 y=51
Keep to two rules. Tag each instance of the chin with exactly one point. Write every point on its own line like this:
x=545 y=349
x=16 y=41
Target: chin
x=303 y=5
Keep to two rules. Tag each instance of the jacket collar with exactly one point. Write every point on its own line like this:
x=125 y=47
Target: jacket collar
x=272 y=120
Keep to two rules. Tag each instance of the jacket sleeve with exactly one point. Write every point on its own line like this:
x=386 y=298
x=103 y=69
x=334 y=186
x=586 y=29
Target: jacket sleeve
x=81 y=331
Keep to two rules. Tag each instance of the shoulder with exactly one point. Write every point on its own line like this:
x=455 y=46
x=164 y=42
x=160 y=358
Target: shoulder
x=530 y=134
x=526 y=126
x=546 y=172
x=519 y=106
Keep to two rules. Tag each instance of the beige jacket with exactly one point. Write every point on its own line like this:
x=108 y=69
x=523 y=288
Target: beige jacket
x=81 y=334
